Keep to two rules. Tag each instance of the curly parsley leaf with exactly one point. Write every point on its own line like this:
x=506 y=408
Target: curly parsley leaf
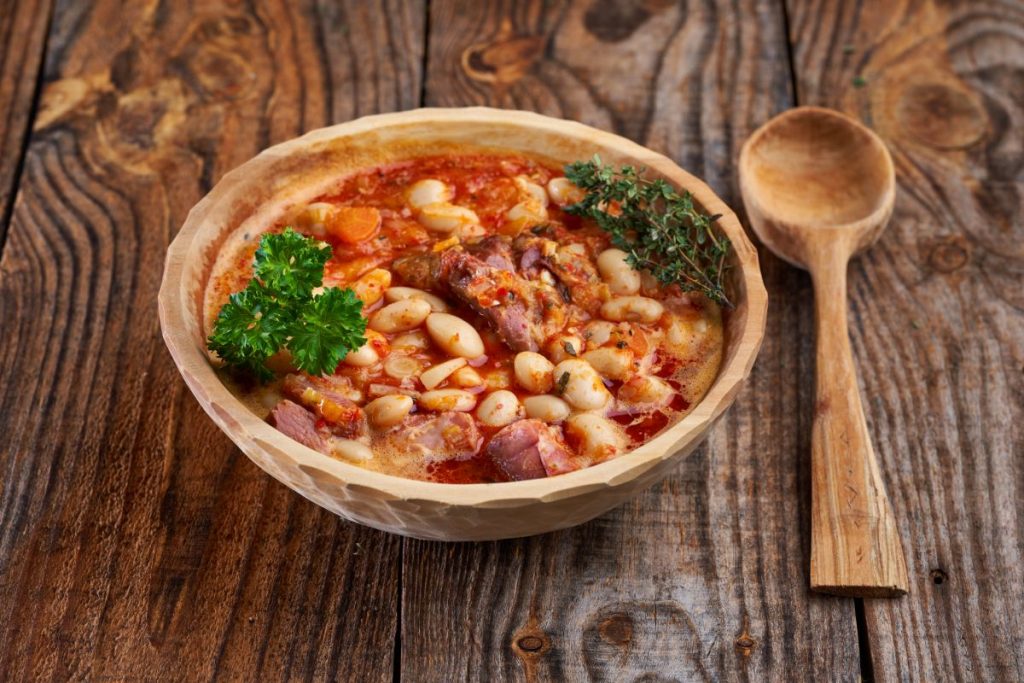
x=659 y=229
x=250 y=328
x=290 y=264
x=327 y=328
x=277 y=310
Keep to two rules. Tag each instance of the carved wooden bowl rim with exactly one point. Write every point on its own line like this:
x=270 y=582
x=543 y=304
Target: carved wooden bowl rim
x=189 y=260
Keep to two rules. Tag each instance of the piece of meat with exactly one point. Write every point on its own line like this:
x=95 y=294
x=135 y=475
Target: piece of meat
x=495 y=251
x=570 y=264
x=323 y=395
x=418 y=270
x=503 y=298
x=296 y=422
x=424 y=270
x=530 y=449
x=435 y=436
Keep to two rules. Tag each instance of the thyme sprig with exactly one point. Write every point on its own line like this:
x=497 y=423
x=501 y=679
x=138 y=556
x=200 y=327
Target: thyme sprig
x=660 y=229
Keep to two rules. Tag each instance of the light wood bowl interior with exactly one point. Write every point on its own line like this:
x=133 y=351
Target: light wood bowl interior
x=292 y=173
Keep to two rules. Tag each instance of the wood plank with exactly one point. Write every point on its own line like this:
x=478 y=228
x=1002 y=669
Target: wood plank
x=706 y=574
x=22 y=43
x=135 y=539
x=938 y=315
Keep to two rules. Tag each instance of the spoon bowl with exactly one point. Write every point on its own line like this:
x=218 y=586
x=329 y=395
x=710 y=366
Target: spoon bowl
x=816 y=170
x=819 y=187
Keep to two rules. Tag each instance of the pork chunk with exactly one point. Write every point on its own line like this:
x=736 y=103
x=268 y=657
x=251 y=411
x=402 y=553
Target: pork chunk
x=441 y=436
x=503 y=298
x=296 y=422
x=418 y=270
x=530 y=449
x=570 y=264
x=495 y=251
x=325 y=397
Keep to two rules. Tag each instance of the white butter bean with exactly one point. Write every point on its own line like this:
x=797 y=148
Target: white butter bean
x=684 y=334
x=467 y=377
x=583 y=388
x=312 y=219
x=532 y=190
x=638 y=309
x=437 y=304
x=428 y=191
x=563 y=191
x=546 y=408
x=455 y=336
x=363 y=357
x=400 y=316
x=440 y=372
x=564 y=346
x=498 y=379
x=448 y=399
x=533 y=372
x=446 y=217
x=598 y=437
x=646 y=390
x=619 y=275
x=598 y=332
x=370 y=286
x=499 y=409
x=415 y=339
x=527 y=212
x=611 y=362
x=387 y=411
x=349 y=449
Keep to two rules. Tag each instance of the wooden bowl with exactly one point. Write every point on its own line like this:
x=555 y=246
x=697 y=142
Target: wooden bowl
x=258 y=192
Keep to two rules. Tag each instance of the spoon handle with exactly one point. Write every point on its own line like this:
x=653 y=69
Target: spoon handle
x=855 y=545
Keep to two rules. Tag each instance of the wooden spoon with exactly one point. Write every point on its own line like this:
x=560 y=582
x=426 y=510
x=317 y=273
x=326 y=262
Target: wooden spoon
x=819 y=188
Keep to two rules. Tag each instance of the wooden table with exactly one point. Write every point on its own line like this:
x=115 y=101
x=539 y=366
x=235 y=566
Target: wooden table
x=136 y=542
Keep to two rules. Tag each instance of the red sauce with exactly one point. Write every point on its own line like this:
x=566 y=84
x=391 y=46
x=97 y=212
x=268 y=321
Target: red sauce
x=476 y=470
x=647 y=426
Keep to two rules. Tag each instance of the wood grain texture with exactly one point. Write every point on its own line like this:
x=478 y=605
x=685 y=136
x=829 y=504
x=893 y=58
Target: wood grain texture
x=23 y=28
x=705 y=575
x=938 y=315
x=135 y=540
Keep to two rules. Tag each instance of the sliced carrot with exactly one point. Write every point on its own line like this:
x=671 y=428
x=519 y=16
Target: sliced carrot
x=354 y=224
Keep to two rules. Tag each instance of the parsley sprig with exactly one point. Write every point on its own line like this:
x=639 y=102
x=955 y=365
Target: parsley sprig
x=659 y=229
x=278 y=309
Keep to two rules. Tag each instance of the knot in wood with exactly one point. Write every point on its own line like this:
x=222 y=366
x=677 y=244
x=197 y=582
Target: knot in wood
x=617 y=630
x=744 y=642
x=949 y=255
x=221 y=73
x=503 y=60
x=938 y=577
x=941 y=116
x=533 y=643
